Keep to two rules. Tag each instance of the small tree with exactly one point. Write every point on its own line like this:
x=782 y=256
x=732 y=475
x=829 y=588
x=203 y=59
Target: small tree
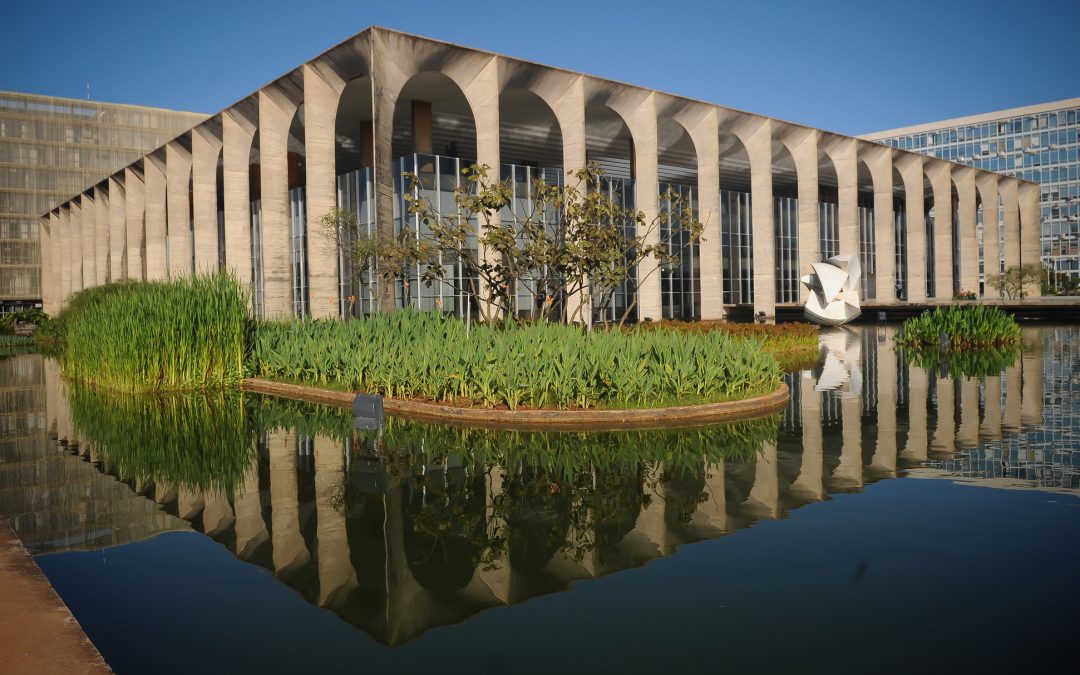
x=1015 y=281
x=375 y=258
x=571 y=240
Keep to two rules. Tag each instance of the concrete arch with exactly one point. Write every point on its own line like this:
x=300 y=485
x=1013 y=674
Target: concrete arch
x=529 y=130
x=785 y=187
x=239 y=132
x=738 y=236
x=900 y=235
x=987 y=191
x=206 y=145
x=154 y=175
x=802 y=143
x=910 y=168
x=135 y=219
x=829 y=202
x=843 y=154
x=939 y=177
x=677 y=171
x=866 y=236
x=878 y=160
x=178 y=207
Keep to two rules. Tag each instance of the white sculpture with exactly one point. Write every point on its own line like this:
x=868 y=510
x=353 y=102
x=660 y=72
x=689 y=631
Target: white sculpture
x=834 y=290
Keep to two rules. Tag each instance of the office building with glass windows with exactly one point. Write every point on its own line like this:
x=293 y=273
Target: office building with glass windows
x=50 y=149
x=247 y=189
x=1035 y=143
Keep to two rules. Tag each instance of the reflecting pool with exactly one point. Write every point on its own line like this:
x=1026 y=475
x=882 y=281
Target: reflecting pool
x=901 y=514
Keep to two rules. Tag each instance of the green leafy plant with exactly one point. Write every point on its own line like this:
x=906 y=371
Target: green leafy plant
x=965 y=327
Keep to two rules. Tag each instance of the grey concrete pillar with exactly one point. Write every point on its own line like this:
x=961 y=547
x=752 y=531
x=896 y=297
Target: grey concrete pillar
x=497 y=575
x=804 y=152
x=1030 y=232
x=117 y=227
x=849 y=473
x=101 y=236
x=940 y=175
x=764 y=497
x=276 y=111
x=217 y=514
x=156 y=193
x=567 y=100
x=178 y=206
x=75 y=241
x=237 y=134
x=322 y=91
x=710 y=517
x=205 y=152
x=915 y=449
x=189 y=504
x=967 y=436
x=337 y=577
x=884 y=459
x=63 y=249
x=45 y=226
x=945 y=431
x=910 y=167
x=705 y=132
x=251 y=530
x=89 y=239
x=756 y=136
x=986 y=184
x=842 y=151
x=1031 y=395
x=1013 y=387
x=809 y=484
x=639 y=113
x=290 y=551
x=967 y=228
x=134 y=205
x=387 y=81
x=649 y=538
x=991 y=423
x=1010 y=201
x=879 y=161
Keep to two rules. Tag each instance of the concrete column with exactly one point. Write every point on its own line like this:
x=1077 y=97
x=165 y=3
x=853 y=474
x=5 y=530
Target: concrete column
x=945 y=431
x=337 y=577
x=809 y=483
x=879 y=161
x=496 y=575
x=1012 y=398
x=251 y=530
x=1010 y=201
x=967 y=227
x=117 y=227
x=986 y=184
x=276 y=113
x=764 y=497
x=640 y=117
x=849 y=473
x=101 y=236
x=217 y=514
x=189 y=504
x=710 y=517
x=918 y=388
x=649 y=538
x=910 y=167
x=322 y=91
x=156 y=193
x=75 y=241
x=63 y=249
x=569 y=107
x=482 y=92
x=178 y=205
x=706 y=136
x=842 y=151
x=968 y=434
x=237 y=135
x=290 y=551
x=45 y=244
x=387 y=81
x=1030 y=231
x=940 y=175
x=991 y=423
x=1031 y=395
x=89 y=239
x=884 y=459
x=134 y=204
x=756 y=135
x=205 y=152
x=804 y=152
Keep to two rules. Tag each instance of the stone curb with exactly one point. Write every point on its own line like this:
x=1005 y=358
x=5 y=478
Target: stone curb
x=541 y=420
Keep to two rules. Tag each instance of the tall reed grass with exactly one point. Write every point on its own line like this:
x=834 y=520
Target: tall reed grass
x=153 y=336
x=423 y=355
x=966 y=327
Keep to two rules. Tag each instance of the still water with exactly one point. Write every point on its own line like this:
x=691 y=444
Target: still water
x=895 y=518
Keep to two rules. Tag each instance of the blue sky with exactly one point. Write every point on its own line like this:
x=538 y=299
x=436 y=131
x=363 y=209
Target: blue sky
x=851 y=67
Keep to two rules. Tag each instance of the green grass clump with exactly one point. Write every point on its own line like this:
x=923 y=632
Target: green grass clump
x=975 y=363
x=154 y=336
x=200 y=441
x=967 y=327
x=425 y=355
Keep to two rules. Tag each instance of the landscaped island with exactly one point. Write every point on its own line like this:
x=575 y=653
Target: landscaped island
x=196 y=334
x=970 y=341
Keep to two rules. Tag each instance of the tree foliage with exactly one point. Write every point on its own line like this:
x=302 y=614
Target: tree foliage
x=1015 y=281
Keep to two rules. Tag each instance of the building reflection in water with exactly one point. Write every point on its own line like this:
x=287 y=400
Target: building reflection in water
x=437 y=524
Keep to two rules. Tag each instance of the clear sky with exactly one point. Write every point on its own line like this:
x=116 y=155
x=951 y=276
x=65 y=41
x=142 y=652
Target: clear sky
x=851 y=66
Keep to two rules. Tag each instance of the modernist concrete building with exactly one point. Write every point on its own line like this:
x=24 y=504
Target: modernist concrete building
x=52 y=148
x=1037 y=143
x=246 y=189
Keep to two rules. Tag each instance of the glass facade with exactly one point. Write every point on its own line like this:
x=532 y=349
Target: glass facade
x=680 y=286
x=1039 y=146
x=737 y=246
x=299 y=251
x=786 y=225
x=621 y=192
x=51 y=149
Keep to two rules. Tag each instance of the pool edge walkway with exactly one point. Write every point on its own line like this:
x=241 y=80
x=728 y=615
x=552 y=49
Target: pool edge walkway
x=38 y=633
